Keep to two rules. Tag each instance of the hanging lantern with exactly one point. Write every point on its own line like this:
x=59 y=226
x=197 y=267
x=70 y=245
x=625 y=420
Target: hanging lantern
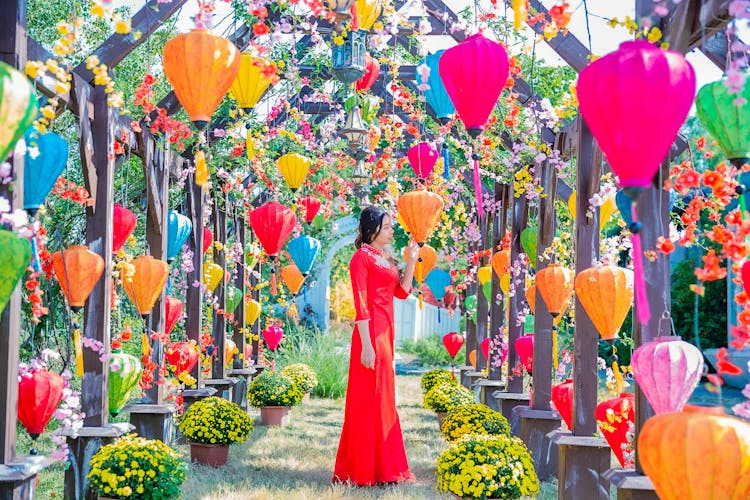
x=248 y=352
x=453 y=342
x=40 y=172
x=525 y=350
x=182 y=356
x=201 y=67
x=501 y=263
x=124 y=373
x=661 y=85
x=272 y=336
x=470 y=304
x=695 y=456
x=420 y=210
x=485 y=346
x=233 y=298
x=562 y=398
x=294 y=167
x=437 y=97
x=179 y=228
x=614 y=418
x=667 y=370
x=304 y=252
x=349 y=57
x=520 y=13
x=15 y=254
x=624 y=206
x=123 y=225
x=531 y=298
x=147 y=282
x=372 y=71
x=606 y=295
x=174 y=308
x=368 y=12
x=425 y=262
x=292 y=278
x=311 y=207
x=606 y=209
x=422 y=158
x=18 y=107
x=273 y=223
x=251 y=81
x=39 y=394
x=252 y=311
x=555 y=285
x=230 y=350
x=727 y=122
x=484 y=274
x=78 y=274
x=212 y=274
x=529 y=243
x=437 y=280
x=208 y=239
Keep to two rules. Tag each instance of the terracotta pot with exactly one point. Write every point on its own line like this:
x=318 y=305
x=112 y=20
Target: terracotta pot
x=441 y=416
x=275 y=415
x=106 y=498
x=214 y=455
x=306 y=397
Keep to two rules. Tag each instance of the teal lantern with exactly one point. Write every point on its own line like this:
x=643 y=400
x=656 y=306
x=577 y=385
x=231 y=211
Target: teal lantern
x=233 y=298
x=624 y=205
x=304 y=251
x=437 y=97
x=41 y=171
x=124 y=373
x=179 y=228
x=18 y=108
x=15 y=254
x=529 y=243
x=437 y=280
x=727 y=123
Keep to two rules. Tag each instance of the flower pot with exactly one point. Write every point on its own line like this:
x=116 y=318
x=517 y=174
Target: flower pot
x=275 y=415
x=214 y=455
x=441 y=416
x=306 y=397
x=106 y=498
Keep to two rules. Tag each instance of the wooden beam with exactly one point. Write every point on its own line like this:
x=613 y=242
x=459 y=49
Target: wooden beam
x=497 y=316
x=194 y=299
x=567 y=46
x=219 y=320
x=690 y=22
x=238 y=335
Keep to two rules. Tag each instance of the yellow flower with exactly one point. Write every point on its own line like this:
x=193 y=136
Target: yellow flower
x=123 y=27
x=338 y=40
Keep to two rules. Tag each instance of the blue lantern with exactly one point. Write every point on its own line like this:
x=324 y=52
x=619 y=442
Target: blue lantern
x=304 y=250
x=41 y=172
x=179 y=228
x=437 y=280
x=624 y=206
x=436 y=95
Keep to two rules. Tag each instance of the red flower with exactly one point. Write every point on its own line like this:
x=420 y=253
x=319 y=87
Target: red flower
x=260 y=28
x=725 y=366
x=664 y=245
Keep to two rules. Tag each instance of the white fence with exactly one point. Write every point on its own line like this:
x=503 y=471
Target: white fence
x=414 y=323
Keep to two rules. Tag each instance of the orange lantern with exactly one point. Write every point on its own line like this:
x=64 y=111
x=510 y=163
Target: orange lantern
x=292 y=278
x=531 y=298
x=426 y=261
x=555 y=285
x=606 y=295
x=147 y=282
x=501 y=262
x=696 y=456
x=251 y=82
x=77 y=270
x=201 y=67
x=420 y=211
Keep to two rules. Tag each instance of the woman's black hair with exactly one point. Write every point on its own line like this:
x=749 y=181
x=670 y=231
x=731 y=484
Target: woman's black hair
x=370 y=222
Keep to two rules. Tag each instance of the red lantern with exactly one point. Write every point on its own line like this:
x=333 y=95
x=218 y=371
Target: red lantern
x=182 y=356
x=453 y=342
x=746 y=277
x=208 y=239
x=173 y=306
x=123 y=225
x=372 y=71
x=273 y=223
x=39 y=393
x=272 y=336
x=614 y=418
x=525 y=351
x=562 y=398
x=422 y=158
x=485 y=346
x=311 y=207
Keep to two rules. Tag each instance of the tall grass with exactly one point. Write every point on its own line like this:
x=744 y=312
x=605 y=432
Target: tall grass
x=329 y=358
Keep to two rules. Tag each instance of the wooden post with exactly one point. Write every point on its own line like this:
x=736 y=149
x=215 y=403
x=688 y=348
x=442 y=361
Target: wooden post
x=239 y=371
x=194 y=299
x=483 y=305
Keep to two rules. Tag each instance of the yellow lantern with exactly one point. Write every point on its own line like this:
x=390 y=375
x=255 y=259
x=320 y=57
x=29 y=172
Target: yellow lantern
x=230 y=350
x=605 y=210
x=505 y=283
x=251 y=82
x=294 y=168
x=368 y=12
x=212 y=274
x=252 y=311
x=484 y=274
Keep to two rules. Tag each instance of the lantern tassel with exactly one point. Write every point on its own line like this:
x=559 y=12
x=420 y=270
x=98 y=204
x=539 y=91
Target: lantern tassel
x=446 y=162
x=555 y=361
x=478 y=187
x=641 y=297
x=274 y=290
x=420 y=300
x=453 y=370
x=438 y=314
x=144 y=345
x=77 y=343
x=618 y=377
x=35 y=255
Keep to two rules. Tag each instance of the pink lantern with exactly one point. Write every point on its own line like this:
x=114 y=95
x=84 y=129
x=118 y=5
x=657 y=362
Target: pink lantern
x=525 y=350
x=746 y=277
x=485 y=345
x=562 y=398
x=272 y=336
x=422 y=158
x=667 y=370
x=208 y=239
x=634 y=100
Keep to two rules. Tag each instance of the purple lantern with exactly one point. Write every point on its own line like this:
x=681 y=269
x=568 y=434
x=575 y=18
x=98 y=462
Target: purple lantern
x=422 y=158
x=667 y=370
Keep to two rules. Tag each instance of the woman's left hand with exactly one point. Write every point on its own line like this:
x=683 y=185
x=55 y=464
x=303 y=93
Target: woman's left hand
x=412 y=251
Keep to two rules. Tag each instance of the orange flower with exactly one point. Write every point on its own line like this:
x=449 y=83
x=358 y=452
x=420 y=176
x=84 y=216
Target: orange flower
x=711 y=179
x=664 y=245
x=712 y=270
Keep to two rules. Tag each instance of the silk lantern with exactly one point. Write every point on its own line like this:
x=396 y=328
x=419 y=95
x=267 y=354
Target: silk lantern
x=420 y=211
x=252 y=311
x=525 y=350
x=606 y=209
x=124 y=373
x=694 y=456
x=606 y=295
x=173 y=307
x=294 y=167
x=272 y=336
x=179 y=228
x=614 y=417
x=368 y=12
x=15 y=254
x=123 y=225
x=555 y=285
x=372 y=71
x=18 y=108
x=452 y=342
x=230 y=350
x=728 y=122
x=304 y=252
x=422 y=158
x=208 y=239
x=147 y=282
x=425 y=262
x=562 y=398
x=667 y=370
x=201 y=68
x=40 y=171
x=233 y=298
x=212 y=274
x=251 y=82
x=39 y=393
x=292 y=278
x=485 y=346
x=182 y=356
x=437 y=280
x=529 y=243
x=273 y=223
x=470 y=304
x=660 y=84
x=436 y=96
x=501 y=262
x=311 y=207
x=77 y=270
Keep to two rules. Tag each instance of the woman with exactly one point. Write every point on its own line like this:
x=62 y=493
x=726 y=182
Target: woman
x=371 y=449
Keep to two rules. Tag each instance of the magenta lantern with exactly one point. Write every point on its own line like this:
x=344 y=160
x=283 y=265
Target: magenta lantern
x=272 y=335
x=422 y=158
x=667 y=370
x=525 y=350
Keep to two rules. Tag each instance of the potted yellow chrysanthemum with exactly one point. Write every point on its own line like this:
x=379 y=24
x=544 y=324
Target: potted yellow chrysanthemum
x=302 y=375
x=210 y=426
x=274 y=393
x=446 y=396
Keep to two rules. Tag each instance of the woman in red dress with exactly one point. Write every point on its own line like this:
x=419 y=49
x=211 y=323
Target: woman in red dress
x=371 y=449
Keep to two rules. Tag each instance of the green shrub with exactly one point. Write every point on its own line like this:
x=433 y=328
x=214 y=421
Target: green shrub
x=474 y=419
x=430 y=351
x=272 y=388
x=446 y=397
x=302 y=375
x=329 y=359
x=436 y=376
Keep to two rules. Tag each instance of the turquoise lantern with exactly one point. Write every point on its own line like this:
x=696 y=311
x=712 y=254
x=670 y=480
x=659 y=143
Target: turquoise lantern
x=40 y=172
x=437 y=280
x=15 y=254
x=179 y=228
x=437 y=97
x=124 y=373
x=304 y=250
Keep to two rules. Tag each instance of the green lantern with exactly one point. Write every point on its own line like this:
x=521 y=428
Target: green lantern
x=234 y=297
x=15 y=255
x=727 y=123
x=124 y=373
x=528 y=243
x=470 y=304
x=487 y=289
x=18 y=108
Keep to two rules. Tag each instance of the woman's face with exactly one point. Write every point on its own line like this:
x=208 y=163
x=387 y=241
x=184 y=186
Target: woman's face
x=385 y=236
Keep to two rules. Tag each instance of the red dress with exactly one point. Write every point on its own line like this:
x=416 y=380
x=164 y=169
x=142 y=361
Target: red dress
x=371 y=449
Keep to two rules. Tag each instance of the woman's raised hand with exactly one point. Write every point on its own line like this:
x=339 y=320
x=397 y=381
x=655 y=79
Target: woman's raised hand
x=412 y=251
